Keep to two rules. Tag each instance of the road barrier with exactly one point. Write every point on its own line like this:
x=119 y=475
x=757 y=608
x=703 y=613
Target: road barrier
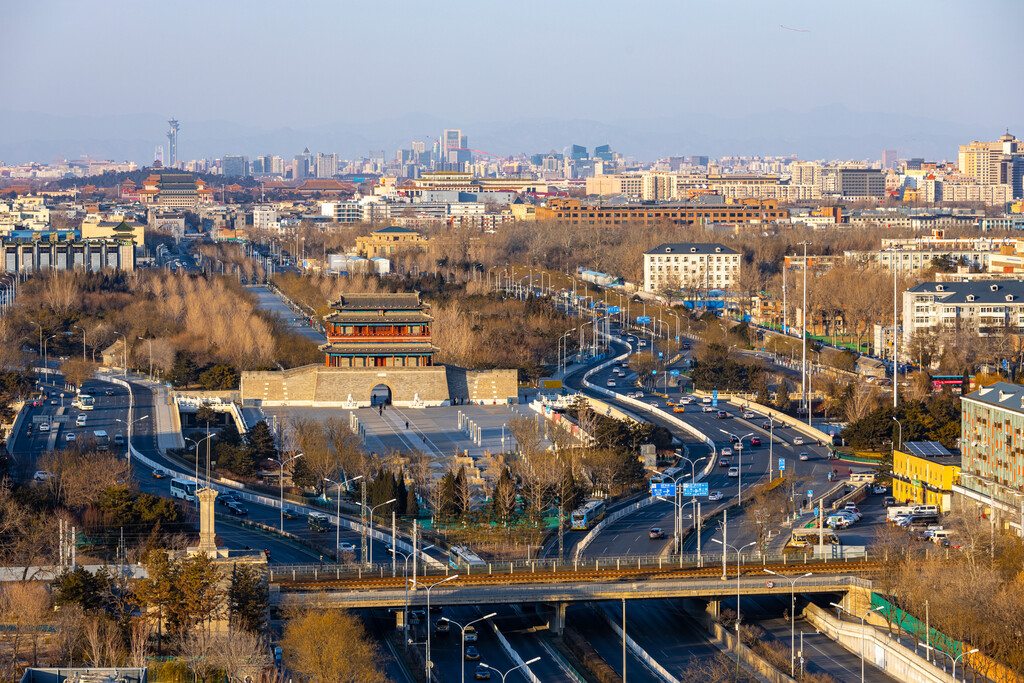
x=640 y=653
x=512 y=654
x=12 y=436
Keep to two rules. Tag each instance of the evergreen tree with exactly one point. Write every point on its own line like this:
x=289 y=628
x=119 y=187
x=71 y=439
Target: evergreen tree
x=782 y=400
x=570 y=493
x=260 y=441
x=248 y=598
x=302 y=476
x=401 y=493
x=446 y=502
x=503 y=499
x=412 y=506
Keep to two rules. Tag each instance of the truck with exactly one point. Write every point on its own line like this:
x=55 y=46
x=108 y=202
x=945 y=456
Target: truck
x=102 y=440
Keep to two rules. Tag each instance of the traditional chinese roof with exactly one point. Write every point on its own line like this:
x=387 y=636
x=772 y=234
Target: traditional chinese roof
x=376 y=348
x=407 y=301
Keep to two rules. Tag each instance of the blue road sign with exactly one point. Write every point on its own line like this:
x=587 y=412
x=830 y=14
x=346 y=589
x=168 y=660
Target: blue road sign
x=782 y=464
x=677 y=340
x=695 y=489
x=613 y=309
x=810 y=493
x=666 y=490
x=661 y=354
x=673 y=373
x=643 y=319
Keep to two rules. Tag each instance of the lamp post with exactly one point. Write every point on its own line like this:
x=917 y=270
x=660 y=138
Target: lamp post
x=738 y=551
x=197 y=451
x=462 y=629
x=771 y=446
x=280 y=466
x=739 y=462
x=803 y=338
x=428 y=664
x=150 y=354
x=895 y=355
x=863 y=628
x=125 y=355
x=405 y=575
x=792 y=616
x=83 y=339
x=969 y=652
x=370 y=522
x=130 y=424
x=520 y=666
x=337 y=527
x=46 y=362
x=901 y=429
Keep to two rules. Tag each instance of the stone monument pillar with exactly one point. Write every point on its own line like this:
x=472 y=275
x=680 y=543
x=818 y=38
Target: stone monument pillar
x=207 y=535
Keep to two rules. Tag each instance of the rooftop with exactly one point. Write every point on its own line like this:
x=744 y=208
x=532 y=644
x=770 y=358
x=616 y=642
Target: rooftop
x=1001 y=395
x=930 y=450
x=985 y=291
x=691 y=248
x=378 y=301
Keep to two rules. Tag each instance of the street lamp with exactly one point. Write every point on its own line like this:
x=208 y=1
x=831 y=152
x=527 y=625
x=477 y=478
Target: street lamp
x=738 y=551
x=150 y=354
x=462 y=629
x=863 y=628
x=739 y=462
x=369 y=522
x=46 y=362
x=337 y=527
x=405 y=575
x=512 y=669
x=792 y=616
x=83 y=339
x=280 y=470
x=130 y=424
x=125 y=356
x=209 y=436
x=428 y=663
x=901 y=429
x=803 y=340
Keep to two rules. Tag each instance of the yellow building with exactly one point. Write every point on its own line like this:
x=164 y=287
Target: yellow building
x=923 y=473
x=388 y=242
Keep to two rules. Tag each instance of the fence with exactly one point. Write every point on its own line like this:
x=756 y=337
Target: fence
x=512 y=654
x=640 y=653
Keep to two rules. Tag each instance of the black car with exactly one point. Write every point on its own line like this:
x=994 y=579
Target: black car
x=292 y=513
x=108 y=392
x=228 y=499
x=237 y=509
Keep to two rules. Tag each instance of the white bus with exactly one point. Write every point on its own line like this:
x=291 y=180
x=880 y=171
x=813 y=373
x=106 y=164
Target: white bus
x=84 y=402
x=102 y=440
x=461 y=557
x=183 y=488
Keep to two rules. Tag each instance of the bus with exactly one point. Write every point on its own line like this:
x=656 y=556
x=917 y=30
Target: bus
x=588 y=514
x=460 y=557
x=807 y=538
x=102 y=440
x=184 y=489
x=84 y=402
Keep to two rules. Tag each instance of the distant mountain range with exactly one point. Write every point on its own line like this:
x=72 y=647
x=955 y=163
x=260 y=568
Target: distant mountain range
x=828 y=132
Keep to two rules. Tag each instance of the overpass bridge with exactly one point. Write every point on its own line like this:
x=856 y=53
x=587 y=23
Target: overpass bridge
x=561 y=585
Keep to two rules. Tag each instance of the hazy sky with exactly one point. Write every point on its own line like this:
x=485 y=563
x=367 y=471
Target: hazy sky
x=305 y=64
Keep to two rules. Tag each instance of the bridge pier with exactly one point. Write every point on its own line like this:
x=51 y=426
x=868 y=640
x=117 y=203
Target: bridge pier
x=714 y=608
x=557 y=622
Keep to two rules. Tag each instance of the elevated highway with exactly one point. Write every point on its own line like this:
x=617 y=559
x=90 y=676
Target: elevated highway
x=564 y=585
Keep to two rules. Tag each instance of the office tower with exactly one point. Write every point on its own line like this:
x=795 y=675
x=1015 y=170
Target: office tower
x=257 y=166
x=603 y=152
x=889 y=159
x=172 y=143
x=234 y=165
x=578 y=153
x=301 y=169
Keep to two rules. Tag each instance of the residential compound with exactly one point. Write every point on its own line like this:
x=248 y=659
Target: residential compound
x=981 y=308
x=691 y=266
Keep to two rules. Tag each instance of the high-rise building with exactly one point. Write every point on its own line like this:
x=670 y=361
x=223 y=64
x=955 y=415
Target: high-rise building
x=234 y=165
x=994 y=163
x=889 y=159
x=603 y=152
x=326 y=165
x=172 y=143
x=256 y=166
x=302 y=169
x=860 y=182
x=455 y=147
x=578 y=153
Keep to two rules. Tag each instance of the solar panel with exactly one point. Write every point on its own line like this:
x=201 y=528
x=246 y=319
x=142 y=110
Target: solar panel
x=925 y=448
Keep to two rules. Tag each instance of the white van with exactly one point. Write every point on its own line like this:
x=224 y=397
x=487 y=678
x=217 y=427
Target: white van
x=924 y=510
x=940 y=535
x=897 y=510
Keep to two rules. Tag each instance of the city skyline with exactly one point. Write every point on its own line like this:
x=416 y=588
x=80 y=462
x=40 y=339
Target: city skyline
x=753 y=79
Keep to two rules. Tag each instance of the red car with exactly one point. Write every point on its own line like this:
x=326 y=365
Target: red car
x=755 y=441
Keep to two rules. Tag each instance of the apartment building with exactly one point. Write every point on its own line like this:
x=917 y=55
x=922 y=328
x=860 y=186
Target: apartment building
x=992 y=451
x=923 y=473
x=687 y=265
x=692 y=213
x=980 y=307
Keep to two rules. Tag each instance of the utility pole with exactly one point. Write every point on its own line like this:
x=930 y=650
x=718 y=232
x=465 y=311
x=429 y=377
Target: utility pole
x=803 y=340
x=362 y=516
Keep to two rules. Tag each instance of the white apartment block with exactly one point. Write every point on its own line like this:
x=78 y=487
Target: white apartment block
x=691 y=266
x=981 y=308
x=264 y=217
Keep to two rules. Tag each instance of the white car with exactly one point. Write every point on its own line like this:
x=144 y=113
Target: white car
x=346 y=547
x=798 y=441
x=805 y=456
x=715 y=495
x=708 y=409
x=639 y=394
x=610 y=383
x=42 y=476
x=686 y=400
x=653 y=404
x=70 y=436
x=80 y=421
x=747 y=415
x=734 y=471
x=44 y=426
x=726 y=452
